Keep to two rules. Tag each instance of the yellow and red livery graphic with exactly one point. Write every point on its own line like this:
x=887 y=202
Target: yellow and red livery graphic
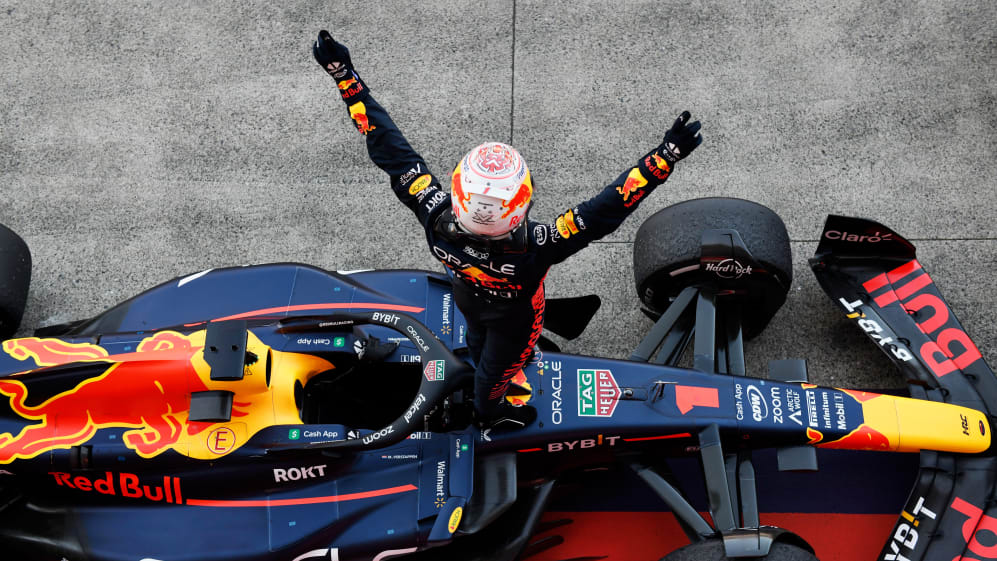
x=457 y=190
x=661 y=163
x=358 y=112
x=522 y=197
x=148 y=392
x=346 y=84
x=520 y=380
x=454 y=520
x=565 y=224
x=420 y=183
x=635 y=181
x=49 y=352
x=350 y=87
x=899 y=424
x=814 y=436
x=480 y=276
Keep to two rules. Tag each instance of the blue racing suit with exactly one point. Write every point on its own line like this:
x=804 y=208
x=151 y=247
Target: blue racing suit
x=498 y=285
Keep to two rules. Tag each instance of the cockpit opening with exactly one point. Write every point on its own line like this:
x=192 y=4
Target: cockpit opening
x=359 y=393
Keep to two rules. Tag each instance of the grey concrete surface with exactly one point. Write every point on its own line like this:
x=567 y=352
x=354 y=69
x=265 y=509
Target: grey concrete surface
x=141 y=141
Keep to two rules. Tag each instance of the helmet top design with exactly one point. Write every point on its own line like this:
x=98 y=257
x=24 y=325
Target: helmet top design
x=491 y=190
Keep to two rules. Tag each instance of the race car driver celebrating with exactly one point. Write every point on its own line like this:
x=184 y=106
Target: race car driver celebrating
x=477 y=227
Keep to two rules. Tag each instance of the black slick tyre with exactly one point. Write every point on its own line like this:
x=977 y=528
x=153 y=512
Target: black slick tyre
x=713 y=550
x=668 y=245
x=15 y=276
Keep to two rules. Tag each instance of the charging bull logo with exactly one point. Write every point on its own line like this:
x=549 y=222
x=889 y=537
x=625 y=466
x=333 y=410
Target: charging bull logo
x=480 y=276
x=349 y=87
x=522 y=381
x=659 y=167
x=150 y=396
x=358 y=112
x=520 y=199
x=49 y=352
x=458 y=195
x=862 y=438
x=634 y=182
x=853 y=420
x=661 y=163
x=148 y=392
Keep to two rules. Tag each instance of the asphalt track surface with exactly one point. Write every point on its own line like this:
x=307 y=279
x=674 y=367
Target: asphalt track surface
x=141 y=141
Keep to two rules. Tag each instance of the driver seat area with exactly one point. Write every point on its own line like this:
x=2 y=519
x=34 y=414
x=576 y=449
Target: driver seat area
x=364 y=390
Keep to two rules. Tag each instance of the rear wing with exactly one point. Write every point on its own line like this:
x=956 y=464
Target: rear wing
x=873 y=275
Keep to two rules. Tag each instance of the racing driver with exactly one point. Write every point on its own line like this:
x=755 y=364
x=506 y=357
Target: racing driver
x=477 y=227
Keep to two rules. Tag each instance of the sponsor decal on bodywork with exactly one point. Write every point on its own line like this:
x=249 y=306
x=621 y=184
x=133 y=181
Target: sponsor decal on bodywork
x=446 y=311
x=127 y=485
x=904 y=540
x=949 y=347
x=598 y=393
x=441 y=484
x=689 y=397
x=298 y=473
x=554 y=368
x=146 y=392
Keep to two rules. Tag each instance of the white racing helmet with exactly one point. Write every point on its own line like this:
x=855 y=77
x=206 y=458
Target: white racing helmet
x=491 y=190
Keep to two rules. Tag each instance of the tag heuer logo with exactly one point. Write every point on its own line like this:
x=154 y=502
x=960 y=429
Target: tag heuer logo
x=598 y=393
x=434 y=370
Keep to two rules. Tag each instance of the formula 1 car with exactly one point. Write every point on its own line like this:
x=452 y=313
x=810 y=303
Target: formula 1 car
x=283 y=412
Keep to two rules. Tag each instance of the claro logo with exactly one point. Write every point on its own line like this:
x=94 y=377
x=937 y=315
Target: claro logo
x=860 y=238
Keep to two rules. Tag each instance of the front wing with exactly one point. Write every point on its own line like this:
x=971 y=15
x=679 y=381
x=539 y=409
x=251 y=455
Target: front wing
x=873 y=274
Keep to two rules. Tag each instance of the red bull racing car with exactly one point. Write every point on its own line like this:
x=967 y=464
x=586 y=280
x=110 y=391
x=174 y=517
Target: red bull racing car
x=283 y=412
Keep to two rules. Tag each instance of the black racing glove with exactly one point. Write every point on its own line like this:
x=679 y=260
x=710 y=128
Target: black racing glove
x=679 y=142
x=334 y=58
x=681 y=139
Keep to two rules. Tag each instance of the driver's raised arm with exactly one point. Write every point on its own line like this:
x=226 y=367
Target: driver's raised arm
x=411 y=179
x=603 y=213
